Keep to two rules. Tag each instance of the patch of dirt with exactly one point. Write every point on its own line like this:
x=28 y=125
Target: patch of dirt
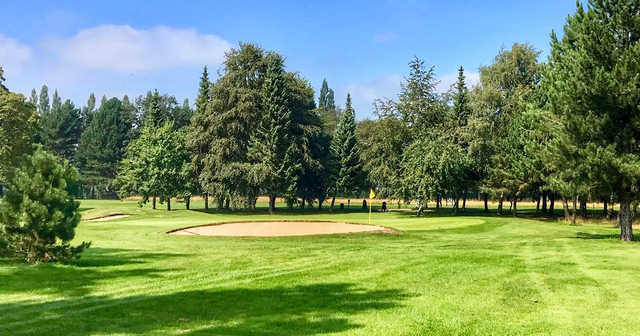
x=279 y=229
x=106 y=218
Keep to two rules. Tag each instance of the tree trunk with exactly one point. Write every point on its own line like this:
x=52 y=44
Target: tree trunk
x=168 y=203
x=227 y=201
x=272 y=204
x=538 y=203
x=583 y=207
x=552 y=202
x=153 y=203
x=187 y=202
x=514 y=209
x=220 y=203
x=302 y=203
x=486 y=202
x=320 y=201
x=438 y=202
x=333 y=201
x=544 y=201
x=605 y=211
x=565 y=207
x=573 y=215
x=626 y=219
x=206 y=201
x=464 y=202
x=500 y=204
x=455 y=205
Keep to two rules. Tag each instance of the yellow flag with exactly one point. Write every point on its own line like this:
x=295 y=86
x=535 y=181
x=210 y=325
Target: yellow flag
x=372 y=194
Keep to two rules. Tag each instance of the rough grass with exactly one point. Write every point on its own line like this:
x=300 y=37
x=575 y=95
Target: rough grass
x=465 y=275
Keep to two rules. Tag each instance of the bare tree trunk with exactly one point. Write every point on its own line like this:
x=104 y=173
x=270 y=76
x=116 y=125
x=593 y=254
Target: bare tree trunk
x=565 y=206
x=500 y=204
x=333 y=201
x=552 y=202
x=153 y=203
x=206 y=201
x=464 y=202
x=626 y=219
x=302 y=203
x=605 y=211
x=544 y=200
x=514 y=209
x=538 y=203
x=486 y=202
x=168 y=203
x=272 y=204
x=227 y=201
x=583 y=207
x=573 y=215
x=220 y=203
x=187 y=202
x=455 y=205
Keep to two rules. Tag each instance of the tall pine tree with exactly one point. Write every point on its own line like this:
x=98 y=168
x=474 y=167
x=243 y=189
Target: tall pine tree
x=273 y=150
x=60 y=130
x=43 y=104
x=346 y=152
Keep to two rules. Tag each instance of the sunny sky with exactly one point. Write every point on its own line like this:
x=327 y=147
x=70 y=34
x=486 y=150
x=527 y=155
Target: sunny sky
x=361 y=47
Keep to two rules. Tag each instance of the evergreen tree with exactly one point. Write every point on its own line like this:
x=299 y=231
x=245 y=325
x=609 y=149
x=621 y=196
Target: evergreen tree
x=196 y=135
x=33 y=99
x=461 y=100
x=273 y=151
x=56 y=102
x=39 y=213
x=102 y=146
x=43 y=105
x=60 y=130
x=593 y=87
x=324 y=91
x=346 y=151
x=327 y=108
x=88 y=111
x=2 y=80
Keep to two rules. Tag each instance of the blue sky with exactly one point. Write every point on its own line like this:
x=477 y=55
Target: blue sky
x=362 y=47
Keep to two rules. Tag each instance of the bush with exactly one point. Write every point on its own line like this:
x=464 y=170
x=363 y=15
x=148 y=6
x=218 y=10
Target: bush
x=38 y=212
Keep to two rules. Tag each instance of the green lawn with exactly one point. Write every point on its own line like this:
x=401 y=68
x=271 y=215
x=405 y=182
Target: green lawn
x=466 y=275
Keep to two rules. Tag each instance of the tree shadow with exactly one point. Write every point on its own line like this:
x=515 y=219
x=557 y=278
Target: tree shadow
x=586 y=235
x=298 y=310
x=78 y=277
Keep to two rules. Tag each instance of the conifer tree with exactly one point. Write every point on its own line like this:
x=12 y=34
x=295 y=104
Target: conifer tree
x=461 y=100
x=273 y=150
x=33 y=99
x=346 y=152
x=2 y=80
x=196 y=136
x=593 y=87
x=102 y=145
x=43 y=104
x=88 y=111
x=56 y=102
x=60 y=130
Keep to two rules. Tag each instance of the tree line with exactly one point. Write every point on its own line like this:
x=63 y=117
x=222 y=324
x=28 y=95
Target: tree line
x=562 y=131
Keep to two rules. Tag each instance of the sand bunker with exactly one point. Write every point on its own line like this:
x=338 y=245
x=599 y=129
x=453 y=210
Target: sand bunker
x=278 y=229
x=106 y=218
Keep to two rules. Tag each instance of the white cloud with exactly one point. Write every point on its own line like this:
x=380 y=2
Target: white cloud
x=364 y=94
x=446 y=81
x=122 y=48
x=385 y=37
x=13 y=55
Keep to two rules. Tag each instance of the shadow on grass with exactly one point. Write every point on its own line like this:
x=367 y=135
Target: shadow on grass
x=298 y=310
x=585 y=235
x=78 y=277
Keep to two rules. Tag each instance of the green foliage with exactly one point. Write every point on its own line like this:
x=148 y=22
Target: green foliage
x=2 y=80
x=273 y=150
x=39 y=213
x=18 y=122
x=157 y=164
x=593 y=87
x=346 y=152
x=327 y=108
x=60 y=130
x=103 y=144
x=43 y=103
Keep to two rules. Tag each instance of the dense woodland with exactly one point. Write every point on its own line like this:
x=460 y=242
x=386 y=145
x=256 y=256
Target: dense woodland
x=562 y=132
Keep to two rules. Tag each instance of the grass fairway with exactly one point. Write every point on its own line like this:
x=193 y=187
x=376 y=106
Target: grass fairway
x=468 y=275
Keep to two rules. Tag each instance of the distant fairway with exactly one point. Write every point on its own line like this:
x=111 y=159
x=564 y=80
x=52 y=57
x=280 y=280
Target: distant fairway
x=470 y=275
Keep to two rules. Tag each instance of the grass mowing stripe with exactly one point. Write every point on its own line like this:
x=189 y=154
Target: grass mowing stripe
x=151 y=284
x=139 y=299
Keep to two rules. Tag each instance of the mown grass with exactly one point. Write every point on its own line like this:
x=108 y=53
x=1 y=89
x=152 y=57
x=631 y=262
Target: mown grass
x=444 y=275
